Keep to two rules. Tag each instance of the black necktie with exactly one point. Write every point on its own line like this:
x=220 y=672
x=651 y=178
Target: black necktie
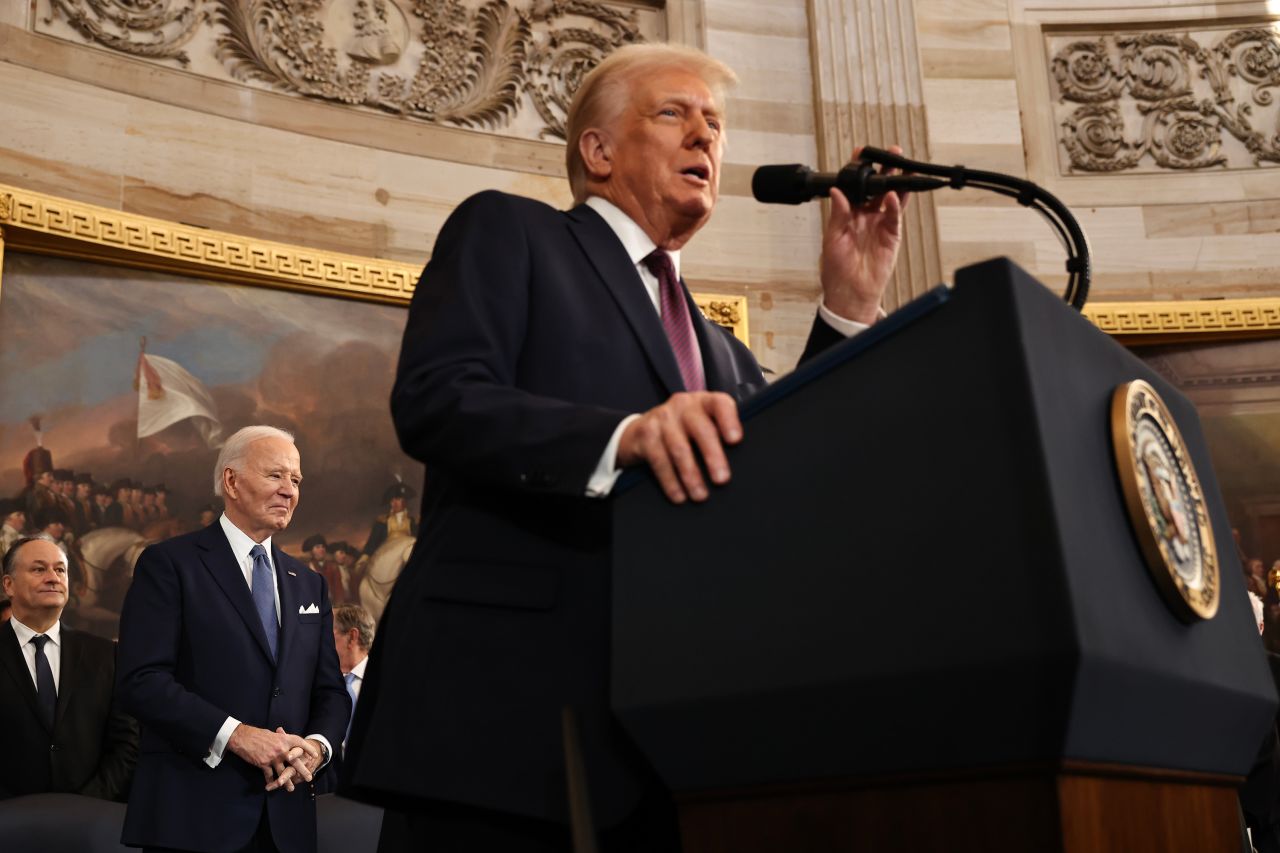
x=46 y=693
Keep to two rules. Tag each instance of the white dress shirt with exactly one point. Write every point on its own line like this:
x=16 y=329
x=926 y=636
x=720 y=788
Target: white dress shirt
x=52 y=649
x=638 y=246
x=242 y=546
x=358 y=672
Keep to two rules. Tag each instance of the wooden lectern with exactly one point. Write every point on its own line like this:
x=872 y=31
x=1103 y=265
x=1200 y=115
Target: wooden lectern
x=919 y=619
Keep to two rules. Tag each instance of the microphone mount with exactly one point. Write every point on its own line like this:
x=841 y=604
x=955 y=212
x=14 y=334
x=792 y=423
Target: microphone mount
x=1079 y=266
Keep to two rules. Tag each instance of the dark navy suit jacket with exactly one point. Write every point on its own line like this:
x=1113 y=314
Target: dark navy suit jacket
x=92 y=746
x=529 y=338
x=192 y=653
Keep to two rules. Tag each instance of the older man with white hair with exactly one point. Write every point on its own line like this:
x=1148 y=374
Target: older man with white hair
x=546 y=350
x=227 y=661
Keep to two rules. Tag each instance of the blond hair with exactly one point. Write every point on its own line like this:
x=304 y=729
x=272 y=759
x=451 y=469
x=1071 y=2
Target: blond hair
x=602 y=96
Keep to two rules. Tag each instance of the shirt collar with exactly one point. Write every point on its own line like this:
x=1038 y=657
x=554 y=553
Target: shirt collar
x=240 y=542
x=358 y=669
x=634 y=240
x=25 y=634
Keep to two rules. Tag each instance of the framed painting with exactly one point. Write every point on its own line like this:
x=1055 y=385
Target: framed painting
x=131 y=347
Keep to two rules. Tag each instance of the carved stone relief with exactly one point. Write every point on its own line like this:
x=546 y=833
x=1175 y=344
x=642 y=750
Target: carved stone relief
x=1153 y=101
x=508 y=66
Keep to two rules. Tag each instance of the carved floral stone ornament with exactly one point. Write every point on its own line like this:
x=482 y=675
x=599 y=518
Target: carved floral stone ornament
x=466 y=63
x=1147 y=101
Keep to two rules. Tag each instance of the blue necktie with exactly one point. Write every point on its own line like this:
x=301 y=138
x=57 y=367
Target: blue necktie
x=350 y=678
x=264 y=597
x=46 y=693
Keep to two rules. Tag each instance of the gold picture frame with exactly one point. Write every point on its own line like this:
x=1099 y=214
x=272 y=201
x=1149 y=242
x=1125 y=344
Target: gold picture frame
x=48 y=225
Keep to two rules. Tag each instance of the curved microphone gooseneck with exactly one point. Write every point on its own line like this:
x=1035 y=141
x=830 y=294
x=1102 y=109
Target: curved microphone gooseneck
x=1027 y=194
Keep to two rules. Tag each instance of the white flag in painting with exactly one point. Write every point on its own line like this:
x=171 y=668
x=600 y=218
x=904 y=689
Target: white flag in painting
x=167 y=394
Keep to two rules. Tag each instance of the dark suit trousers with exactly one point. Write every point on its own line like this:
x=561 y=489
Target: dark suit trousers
x=447 y=828
x=261 y=842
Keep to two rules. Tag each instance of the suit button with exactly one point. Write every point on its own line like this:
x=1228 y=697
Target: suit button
x=53 y=747
x=275 y=691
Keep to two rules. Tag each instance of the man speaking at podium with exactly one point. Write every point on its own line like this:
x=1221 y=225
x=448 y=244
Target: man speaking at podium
x=545 y=351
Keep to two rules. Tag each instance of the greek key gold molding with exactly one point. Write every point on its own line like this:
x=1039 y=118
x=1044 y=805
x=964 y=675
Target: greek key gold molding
x=1137 y=323
x=45 y=224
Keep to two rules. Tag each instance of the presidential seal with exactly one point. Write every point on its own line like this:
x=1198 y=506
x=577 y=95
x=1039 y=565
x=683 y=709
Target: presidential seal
x=1165 y=502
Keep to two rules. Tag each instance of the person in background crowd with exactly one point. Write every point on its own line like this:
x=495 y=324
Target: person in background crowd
x=353 y=630
x=6 y=609
x=64 y=731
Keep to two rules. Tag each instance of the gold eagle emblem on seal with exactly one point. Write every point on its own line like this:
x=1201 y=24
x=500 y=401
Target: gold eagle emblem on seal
x=1165 y=502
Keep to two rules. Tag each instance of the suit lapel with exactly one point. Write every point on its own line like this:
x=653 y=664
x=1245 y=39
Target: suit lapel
x=219 y=560
x=606 y=254
x=68 y=672
x=287 y=584
x=15 y=665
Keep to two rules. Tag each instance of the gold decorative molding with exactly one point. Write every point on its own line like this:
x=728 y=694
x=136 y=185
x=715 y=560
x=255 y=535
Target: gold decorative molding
x=1145 y=323
x=727 y=311
x=34 y=222
x=462 y=63
x=1185 y=98
x=45 y=224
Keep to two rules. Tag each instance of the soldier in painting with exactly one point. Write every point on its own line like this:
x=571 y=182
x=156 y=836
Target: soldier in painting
x=64 y=487
x=344 y=581
x=40 y=496
x=315 y=553
x=208 y=515
x=83 y=517
x=103 y=501
x=135 y=504
x=395 y=522
x=149 y=512
x=119 y=513
x=13 y=521
x=162 y=502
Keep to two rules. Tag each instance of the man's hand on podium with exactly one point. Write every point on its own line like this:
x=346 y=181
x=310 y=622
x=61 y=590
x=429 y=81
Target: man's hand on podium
x=665 y=436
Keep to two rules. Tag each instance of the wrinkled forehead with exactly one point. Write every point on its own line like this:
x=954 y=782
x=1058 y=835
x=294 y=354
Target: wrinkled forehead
x=658 y=83
x=275 y=453
x=40 y=552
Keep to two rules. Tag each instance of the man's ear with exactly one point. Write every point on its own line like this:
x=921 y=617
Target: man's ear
x=229 y=483
x=596 y=149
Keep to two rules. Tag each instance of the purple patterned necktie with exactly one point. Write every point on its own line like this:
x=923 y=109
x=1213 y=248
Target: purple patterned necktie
x=676 y=320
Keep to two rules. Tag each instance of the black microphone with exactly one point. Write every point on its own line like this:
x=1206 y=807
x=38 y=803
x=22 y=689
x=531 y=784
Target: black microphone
x=796 y=184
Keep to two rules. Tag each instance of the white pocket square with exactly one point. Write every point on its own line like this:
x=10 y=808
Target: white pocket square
x=308 y=610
